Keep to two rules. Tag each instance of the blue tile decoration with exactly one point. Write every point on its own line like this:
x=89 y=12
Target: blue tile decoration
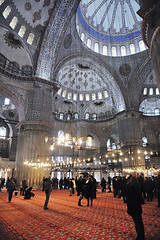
x=105 y=37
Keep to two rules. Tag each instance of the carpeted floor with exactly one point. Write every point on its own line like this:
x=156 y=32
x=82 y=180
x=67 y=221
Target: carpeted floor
x=107 y=219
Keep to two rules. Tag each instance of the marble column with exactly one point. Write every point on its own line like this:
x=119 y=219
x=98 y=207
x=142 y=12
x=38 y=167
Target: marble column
x=131 y=139
x=32 y=146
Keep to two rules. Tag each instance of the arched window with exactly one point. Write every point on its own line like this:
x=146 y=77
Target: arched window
x=89 y=142
x=76 y=116
x=6 y=12
x=114 y=51
x=109 y=144
x=87 y=116
x=123 y=50
x=113 y=146
x=144 y=141
x=64 y=93
x=157 y=111
x=105 y=94
x=150 y=106
x=145 y=91
x=6 y=101
x=151 y=91
x=105 y=50
x=60 y=91
x=68 y=117
x=81 y=97
x=82 y=36
x=3 y=132
x=157 y=91
x=99 y=95
x=69 y=95
x=61 y=115
x=68 y=140
x=89 y=42
x=13 y=23
x=132 y=48
x=142 y=46
x=60 y=137
x=22 y=31
x=87 y=97
x=60 y=134
x=30 y=38
x=96 y=47
x=74 y=96
x=94 y=116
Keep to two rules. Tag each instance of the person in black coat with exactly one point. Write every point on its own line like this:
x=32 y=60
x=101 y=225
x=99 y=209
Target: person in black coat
x=80 y=189
x=89 y=190
x=115 y=187
x=61 y=183
x=148 y=188
x=47 y=189
x=141 y=182
x=10 y=188
x=134 y=208
x=28 y=194
x=94 y=187
x=109 y=184
x=103 y=184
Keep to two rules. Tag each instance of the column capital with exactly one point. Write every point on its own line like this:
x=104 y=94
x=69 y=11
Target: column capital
x=34 y=126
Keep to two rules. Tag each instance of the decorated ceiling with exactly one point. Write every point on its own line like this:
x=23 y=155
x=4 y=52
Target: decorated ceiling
x=35 y=12
x=113 y=22
x=80 y=78
x=34 y=38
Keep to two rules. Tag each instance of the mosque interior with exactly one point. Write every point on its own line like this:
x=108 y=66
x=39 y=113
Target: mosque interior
x=79 y=88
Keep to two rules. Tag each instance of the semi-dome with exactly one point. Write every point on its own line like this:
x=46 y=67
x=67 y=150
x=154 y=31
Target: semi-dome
x=110 y=27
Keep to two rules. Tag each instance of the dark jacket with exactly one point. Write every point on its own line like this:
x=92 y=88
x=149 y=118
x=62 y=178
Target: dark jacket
x=148 y=185
x=134 y=200
x=11 y=186
x=80 y=186
x=89 y=189
x=48 y=186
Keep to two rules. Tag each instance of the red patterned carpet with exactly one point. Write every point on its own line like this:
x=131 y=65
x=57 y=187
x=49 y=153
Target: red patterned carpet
x=107 y=219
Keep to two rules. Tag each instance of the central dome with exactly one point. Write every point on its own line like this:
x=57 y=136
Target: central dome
x=110 y=27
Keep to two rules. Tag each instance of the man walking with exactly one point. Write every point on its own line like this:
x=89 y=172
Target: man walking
x=47 y=189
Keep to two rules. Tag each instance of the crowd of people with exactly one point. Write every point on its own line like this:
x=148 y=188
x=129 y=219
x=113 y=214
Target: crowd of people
x=85 y=187
x=11 y=187
x=134 y=191
x=149 y=187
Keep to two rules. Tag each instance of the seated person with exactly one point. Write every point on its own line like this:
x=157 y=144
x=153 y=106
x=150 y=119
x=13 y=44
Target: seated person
x=28 y=193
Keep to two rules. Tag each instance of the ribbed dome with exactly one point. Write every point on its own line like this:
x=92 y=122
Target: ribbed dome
x=113 y=24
